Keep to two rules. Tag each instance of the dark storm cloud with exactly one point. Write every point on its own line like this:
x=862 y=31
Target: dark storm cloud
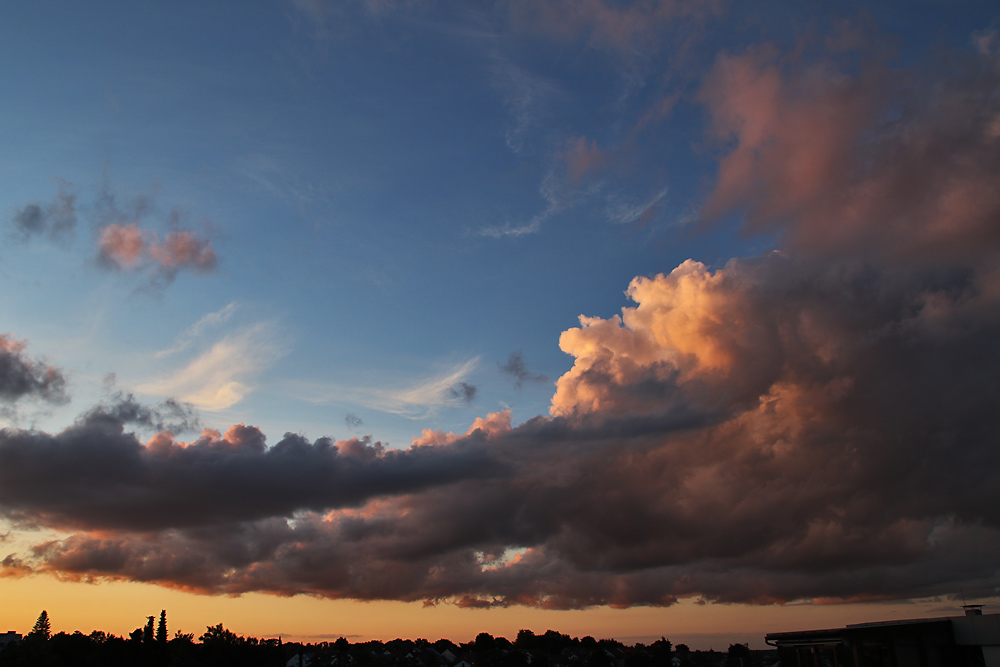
x=95 y=474
x=517 y=368
x=20 y=377
x=814 y=423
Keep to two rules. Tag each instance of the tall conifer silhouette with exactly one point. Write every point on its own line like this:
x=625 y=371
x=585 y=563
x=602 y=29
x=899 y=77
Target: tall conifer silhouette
x=161 y=628
x=147 y=632
x=42 y=630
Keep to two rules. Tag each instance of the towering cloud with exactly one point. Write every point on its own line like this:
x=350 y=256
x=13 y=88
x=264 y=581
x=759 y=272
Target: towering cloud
x=815 y=422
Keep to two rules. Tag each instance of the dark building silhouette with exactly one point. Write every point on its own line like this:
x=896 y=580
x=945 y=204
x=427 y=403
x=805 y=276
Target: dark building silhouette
x=972 y=640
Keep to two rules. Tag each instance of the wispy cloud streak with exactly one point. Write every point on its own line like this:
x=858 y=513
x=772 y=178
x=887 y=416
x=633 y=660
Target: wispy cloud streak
x=223 y=375
x=196 y=330
x=411 y=400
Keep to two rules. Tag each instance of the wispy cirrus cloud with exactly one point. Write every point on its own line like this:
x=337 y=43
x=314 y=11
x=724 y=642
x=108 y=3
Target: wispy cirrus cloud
x=413 y=399
x=224 y=374
x=196 y=330
x=526 y=97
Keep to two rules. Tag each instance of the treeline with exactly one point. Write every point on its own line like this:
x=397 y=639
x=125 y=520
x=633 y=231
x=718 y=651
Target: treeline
x=148 y=644
x=219 y=647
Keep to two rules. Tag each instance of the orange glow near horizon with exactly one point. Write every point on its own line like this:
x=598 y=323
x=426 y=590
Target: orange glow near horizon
x=120 y=607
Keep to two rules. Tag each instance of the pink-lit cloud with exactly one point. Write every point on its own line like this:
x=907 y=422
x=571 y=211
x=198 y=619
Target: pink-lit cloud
x=903 y=162
x=122 y=246
x=128 y=247
x=124 y=240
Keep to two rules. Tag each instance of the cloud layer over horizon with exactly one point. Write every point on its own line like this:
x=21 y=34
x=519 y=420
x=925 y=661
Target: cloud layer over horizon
x=815 y=422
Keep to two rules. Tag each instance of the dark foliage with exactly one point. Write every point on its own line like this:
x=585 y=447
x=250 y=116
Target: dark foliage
x=220 y=647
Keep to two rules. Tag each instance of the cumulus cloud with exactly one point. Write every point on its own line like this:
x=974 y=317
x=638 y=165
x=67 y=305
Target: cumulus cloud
x=817 y=422
x=20 y=377
x=96 y=474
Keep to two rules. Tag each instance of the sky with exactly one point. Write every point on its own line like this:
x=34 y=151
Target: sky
x=422 y=318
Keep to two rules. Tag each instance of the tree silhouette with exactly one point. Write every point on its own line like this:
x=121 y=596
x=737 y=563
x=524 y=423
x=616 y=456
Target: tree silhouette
x=42 y=630
x=147 y=632
x=161 y=628
x=739 y=655
x=525 y=639
x=485 y=642
x=217 y=635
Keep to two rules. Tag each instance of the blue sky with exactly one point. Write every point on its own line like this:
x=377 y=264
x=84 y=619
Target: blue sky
x=348 y=168
x=395 y=201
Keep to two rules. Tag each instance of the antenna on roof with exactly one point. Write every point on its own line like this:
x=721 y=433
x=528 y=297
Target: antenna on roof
x=970 y=609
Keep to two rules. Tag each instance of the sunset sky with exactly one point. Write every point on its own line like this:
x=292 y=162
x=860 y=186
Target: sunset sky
x=421 y=318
